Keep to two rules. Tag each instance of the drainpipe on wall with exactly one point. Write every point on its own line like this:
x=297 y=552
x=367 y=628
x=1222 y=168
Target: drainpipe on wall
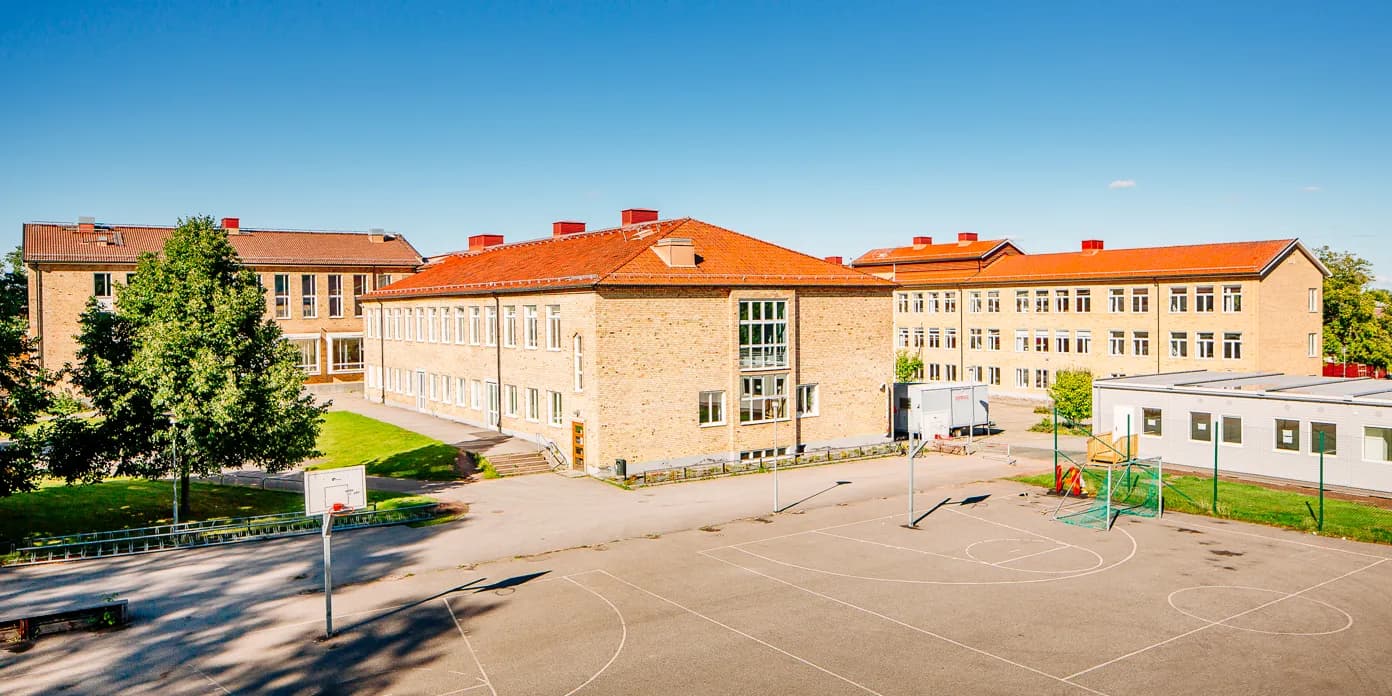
x=498 y=357
x=381 y=352
x=1158 y=344
x=961 y=333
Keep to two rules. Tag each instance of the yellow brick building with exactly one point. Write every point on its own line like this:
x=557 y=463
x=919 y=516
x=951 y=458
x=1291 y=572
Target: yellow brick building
x=983 y=310
x=314 y=283
x=658 y=342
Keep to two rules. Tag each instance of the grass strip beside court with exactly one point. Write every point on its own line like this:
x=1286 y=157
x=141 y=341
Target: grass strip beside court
x=1248 y=502
x=349 y=439
x=123 y=503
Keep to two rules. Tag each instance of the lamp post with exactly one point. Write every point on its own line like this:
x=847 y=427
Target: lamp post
x=174 y=446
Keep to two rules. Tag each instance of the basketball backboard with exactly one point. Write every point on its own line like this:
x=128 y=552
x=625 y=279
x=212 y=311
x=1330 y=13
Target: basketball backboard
x=346 y=487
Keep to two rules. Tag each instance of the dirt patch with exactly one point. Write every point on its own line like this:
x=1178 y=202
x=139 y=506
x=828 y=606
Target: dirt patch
x=1224 y=552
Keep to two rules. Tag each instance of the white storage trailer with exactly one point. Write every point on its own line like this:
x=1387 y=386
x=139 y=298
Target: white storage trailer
x=928 y=409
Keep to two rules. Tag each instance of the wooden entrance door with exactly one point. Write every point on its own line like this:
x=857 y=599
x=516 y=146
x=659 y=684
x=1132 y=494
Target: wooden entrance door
x=577 y=445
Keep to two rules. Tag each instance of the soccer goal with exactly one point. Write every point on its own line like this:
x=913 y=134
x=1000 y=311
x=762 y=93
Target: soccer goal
x=1094 y=495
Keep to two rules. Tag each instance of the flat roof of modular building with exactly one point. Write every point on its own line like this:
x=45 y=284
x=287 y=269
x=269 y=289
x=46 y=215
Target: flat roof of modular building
x=1266 y=385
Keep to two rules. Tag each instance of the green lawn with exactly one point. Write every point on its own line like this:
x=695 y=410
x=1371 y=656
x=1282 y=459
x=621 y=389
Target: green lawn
x=348 y=439
x=56 y=509
x=1253 y=503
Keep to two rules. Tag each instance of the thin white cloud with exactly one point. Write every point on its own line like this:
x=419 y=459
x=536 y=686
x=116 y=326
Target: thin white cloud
x=1122 y=184
x=1311 y=189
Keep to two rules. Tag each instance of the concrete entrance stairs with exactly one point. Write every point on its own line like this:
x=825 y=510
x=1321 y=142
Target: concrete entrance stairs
x=519 y=463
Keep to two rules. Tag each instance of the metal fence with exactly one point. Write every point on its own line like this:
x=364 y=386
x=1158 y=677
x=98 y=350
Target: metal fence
x=713 y=468
x=125 y=542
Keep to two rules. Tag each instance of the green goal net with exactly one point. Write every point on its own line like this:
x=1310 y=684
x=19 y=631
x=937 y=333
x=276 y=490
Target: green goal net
x=1095 y=495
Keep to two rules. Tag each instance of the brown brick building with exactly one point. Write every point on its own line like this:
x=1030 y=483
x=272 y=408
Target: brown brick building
x=660 y=342
x=314 y=282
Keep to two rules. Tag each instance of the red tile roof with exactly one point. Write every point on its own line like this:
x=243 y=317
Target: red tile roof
x=1195 y=260
x=622 y=256
x=951 y=251
x=123 y=244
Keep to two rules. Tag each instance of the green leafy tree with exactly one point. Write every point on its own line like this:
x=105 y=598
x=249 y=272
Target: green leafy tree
x=1072 y=395
x=189 y=359
x=1355 y=329
x=907 y=367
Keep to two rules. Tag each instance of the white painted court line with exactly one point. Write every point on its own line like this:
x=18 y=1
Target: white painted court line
x=897 y=622
x=1209 y=625
x=1322 y=547
x=805 y=531
x=623 y=637
x=1348 y=618
x=736 y=631
x=470 y=646
x=211 y=680
x=467 y=688
x=924 y=552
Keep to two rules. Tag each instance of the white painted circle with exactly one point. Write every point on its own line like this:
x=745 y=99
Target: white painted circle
x=1282 y=596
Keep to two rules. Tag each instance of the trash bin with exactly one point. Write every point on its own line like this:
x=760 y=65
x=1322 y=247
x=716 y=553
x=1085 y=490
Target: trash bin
x=621 y=468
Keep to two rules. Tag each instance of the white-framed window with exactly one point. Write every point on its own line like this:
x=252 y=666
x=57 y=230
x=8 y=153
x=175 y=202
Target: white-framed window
x=1287 y=435
x=1063 y=343
x=934 y=372
x=434 y=381
x=918 y=302
x=533 y=405
x=445 y=324
x=410 y=324
x=950 y=371
x=973 y=373
x=1116 y=343
x=1312 y=345
x=335 y=295
x=1377 y=444
x=765 y=453
x=1082 y=300
x=1116 y=300
x=475 y=394
x=1021 y=340
x=1232 y=346
x=1022 y=301
x=359 y=289
x=461 y=326
x=556 y=413
x=993 y=339
x=1232 y=298
x=308 y=347
x=1313 y=301
x=1041 y=340
x=950 y=302
x=401 y=321
x=974 y=303
x=1179 y=300
x=993 y=376
x=976 y=339
x=101 y=286
x=902 y=302
x=578 y=349
x=1328 y=434
x=510 y=401
x=763 y=398
x=490 y=326
x=710 y=408
x=918 y=336
x=950 y=339
x=1061 y=300
x=509 y=326
x=1179 y=344
x=345 y=353
x=430 y=325
x=1203 y=345
x=934 y=338
x=763 y=334
x=282 y=295
x=475 y=325
x=1022 y=377
x=1152 y=422
x=383 y=280
x=1140 y=300
x=1083 y=340
x=461 y=391
x=309 y=296
x=1231 y=430
x=901 y=337
x=993 y=301
x=445 y=388
x=1140 y=343
x=1203 y=298
x=1200 y=426
x=529 y=327
x=553 y=327
x=1041 y=379
x=1041 y=301
x=932 y=305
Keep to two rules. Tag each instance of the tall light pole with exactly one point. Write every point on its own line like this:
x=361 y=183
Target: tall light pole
x=174 y=446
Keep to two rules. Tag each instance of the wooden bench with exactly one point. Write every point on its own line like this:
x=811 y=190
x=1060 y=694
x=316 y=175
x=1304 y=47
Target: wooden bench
x=22 y=625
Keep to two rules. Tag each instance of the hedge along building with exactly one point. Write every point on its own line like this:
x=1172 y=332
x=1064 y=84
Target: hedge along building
x=314 y=282
x=984 y=310
x=659 y=342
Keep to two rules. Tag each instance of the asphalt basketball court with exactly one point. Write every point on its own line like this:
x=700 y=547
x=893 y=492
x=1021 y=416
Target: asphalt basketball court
x=990 y=597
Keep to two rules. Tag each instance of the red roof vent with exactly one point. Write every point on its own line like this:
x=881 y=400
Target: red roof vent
x=232 y=225
x=835 y=259
x=634 y=216
x=561 y=228
x=483 y=241
x=1092 y=245
x=923 y=241
x=966 y=236
x=86 y=224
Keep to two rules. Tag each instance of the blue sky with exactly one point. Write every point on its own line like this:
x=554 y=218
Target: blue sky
x=828 y=128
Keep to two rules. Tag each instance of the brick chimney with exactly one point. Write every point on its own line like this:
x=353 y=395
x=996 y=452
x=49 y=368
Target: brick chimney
x=967 y=237
x=232 y=225
x=835 y=259
x=1092 y=245
x=923 y=241
x=376 y=235
x=86 y=224
x=562 y=228
x=483 y=241
x=634 y=216
x=676 y=252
